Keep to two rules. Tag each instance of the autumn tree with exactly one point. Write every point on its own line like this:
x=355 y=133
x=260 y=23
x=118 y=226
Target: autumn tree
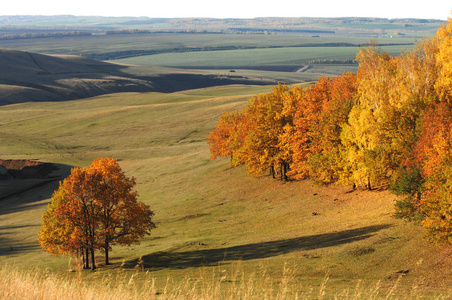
x=388 y=125
x=228 y=137
x=427 y=176
x=308 y=105
x=94 y=208
x=57 y=233
x=240 y=129
x=327 y=163
x=417 y=73
x=122 y=219
x=262 y=149
x=369 y=150
x=433 y=156
x=219 y=138
x=69 y=226
x=443 y=84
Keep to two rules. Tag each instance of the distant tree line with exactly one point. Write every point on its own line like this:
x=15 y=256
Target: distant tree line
x=141 y=31
x=333 y=61
x=288 y=30
x=34 y=35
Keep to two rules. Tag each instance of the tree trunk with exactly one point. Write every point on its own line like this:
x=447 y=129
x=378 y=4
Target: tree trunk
x=286 y=168
x=107 y=261
x=86 y=259
x=284 y=171
x=93 y=262
x=368 y=184
x=272 y=171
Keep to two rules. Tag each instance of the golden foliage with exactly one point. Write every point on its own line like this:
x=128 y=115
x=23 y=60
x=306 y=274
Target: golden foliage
x=375 y=128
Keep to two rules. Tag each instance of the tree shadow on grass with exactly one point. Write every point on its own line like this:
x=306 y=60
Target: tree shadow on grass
x=13 y=248
x=10 y=245
x=208 y=257
x=28 y=191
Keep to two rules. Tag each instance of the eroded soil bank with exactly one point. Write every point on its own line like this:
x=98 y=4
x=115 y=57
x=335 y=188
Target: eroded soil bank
x=24 y=169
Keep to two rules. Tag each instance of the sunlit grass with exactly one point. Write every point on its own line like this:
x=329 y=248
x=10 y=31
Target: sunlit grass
x=216 y=283
x=206 y=212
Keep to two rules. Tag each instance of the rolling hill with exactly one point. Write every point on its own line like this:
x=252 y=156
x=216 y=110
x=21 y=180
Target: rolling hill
x=210 y=217
x=30 y=77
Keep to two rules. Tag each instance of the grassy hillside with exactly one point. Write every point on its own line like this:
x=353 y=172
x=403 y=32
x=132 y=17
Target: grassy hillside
x=211 y=219
x=27 y=76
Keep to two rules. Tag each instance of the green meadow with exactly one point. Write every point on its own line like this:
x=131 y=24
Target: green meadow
x=215 y=225
x=220 y=233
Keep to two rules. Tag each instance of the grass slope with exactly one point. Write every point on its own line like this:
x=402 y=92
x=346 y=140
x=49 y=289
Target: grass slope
x=209 y=216
x=26 y=76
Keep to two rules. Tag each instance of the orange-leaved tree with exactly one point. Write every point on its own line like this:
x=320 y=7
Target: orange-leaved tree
x=228 y=137
x=70 y=224
x=433 y=153
x=266 y=119
x=326 y=163
x=219 y=138
x=308 y=105
x=122 y=219
x=94 y=208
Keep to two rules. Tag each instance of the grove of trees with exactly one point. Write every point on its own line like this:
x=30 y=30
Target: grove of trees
x=388 y=125
x=94 y=208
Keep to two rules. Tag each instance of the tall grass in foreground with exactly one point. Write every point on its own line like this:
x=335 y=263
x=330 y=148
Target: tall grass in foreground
x=206 y=284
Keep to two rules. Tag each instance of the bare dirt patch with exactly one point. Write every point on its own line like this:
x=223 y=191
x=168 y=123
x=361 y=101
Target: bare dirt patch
x=26 y=169
x=18 y=176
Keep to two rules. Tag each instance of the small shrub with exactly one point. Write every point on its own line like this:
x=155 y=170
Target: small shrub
x=361 y=251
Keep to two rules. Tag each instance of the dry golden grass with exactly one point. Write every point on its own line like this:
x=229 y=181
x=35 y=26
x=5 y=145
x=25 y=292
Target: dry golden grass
x=206 y=284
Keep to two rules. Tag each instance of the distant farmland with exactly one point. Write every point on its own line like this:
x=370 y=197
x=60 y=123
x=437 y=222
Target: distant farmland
x=253 y=58
x=270 y=48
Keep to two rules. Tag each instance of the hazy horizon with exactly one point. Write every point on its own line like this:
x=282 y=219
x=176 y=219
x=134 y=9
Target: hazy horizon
x=436 y=9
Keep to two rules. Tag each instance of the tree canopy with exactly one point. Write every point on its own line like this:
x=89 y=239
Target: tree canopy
x=94 y=208
x=388 y=125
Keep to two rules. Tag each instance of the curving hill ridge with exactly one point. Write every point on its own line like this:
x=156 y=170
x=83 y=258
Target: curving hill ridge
x=26 y=76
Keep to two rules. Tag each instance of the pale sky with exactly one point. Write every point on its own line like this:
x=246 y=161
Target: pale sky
x=426 y=9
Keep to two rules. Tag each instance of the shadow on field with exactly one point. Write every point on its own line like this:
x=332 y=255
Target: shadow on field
x=10 y=245
x=170 y=83
x=13 y=247
x=195 y=258
x=25 y=186
x=28 y=77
